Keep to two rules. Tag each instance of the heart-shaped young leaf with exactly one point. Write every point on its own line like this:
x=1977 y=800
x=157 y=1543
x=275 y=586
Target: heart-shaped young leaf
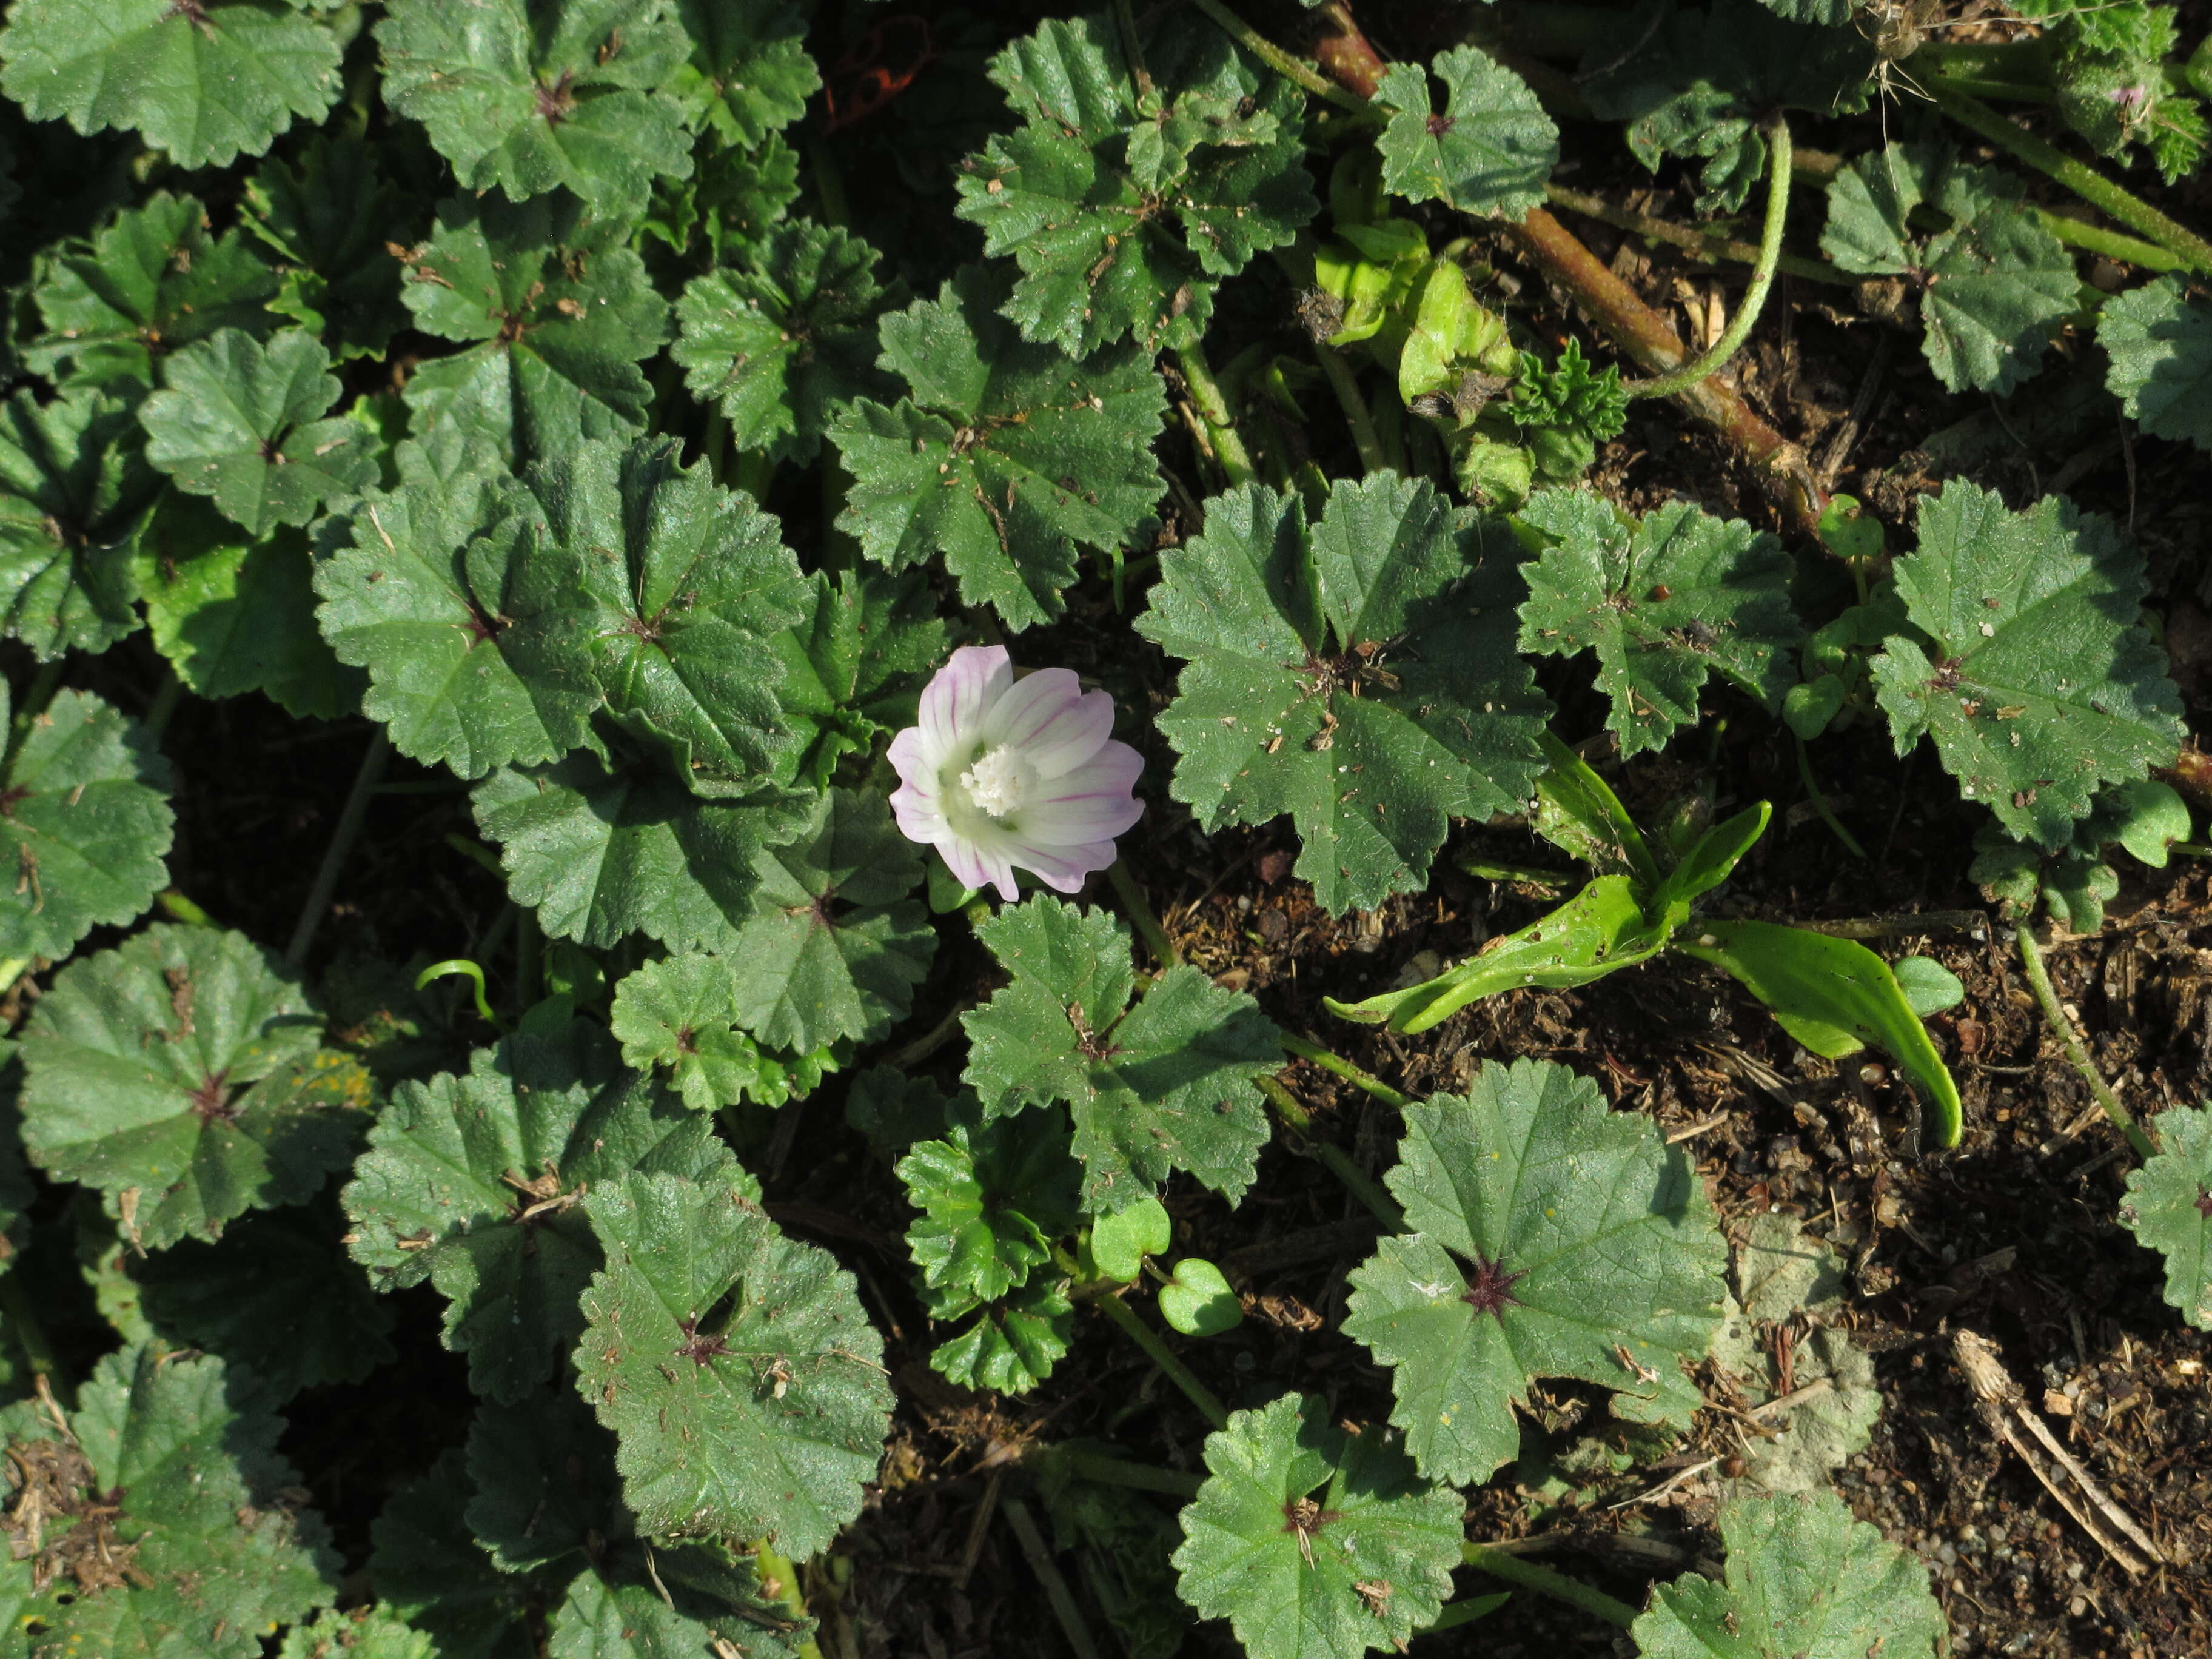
x=853 y=666
x=472 y=1182
x=735 y=1365
x=556 y=310
x=1489 y=150
x=779 y=337
x=1358 y=674
x=834 y=944
x=201 y=80
x=1662 y=602
x=2028 y=661
x=153 y=281
x=330 y=215
x=749 y=73
x=359 y=1633
x=1805 y=1581
x=1165 y=1085
x=1005 y=458
x=681 y=1014
x=533 y=96
x=1993 y=282
x=428 y=1568
x=1013 y=1343
x=2169 y=1208
x=84 y=823
x=1313 y=1542
x=993 y=1199
x=2160 y=342
x=1548 y=1236
x=180 y=1075
x=1197 y=1300
x=243 y=423
x=1119 y=1241
x=1126 y=209
x=73 y=495
x=165 y=1530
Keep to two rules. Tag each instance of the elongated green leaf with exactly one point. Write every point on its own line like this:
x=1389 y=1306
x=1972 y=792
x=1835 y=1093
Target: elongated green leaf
x=73 y=495
x=2169 y=1208
x=1578 y=811
x=2160 y=346
x=1548 y=1237
x=1488 y=150
x=1708 y=862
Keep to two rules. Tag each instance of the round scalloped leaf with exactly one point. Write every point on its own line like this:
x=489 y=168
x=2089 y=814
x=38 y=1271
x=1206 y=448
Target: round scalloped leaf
x=2160 y=346
x=993 y=1198
x=1547 y=1236
x=73 y=495
x=749 y=73
x=1805 y=1581
x=329 y=213
x=357 y=1633
x=1013 y=1343
x=85 y=826
x=242 y=423
x=1358 y=674
x=473 y=1183
x=639 y=1602
x=428 y=1568
x=180 y=1074
x=2169 y=1208
x=533 y=96
x=735 y=1365
x=174 y=1466
x=1313 y=1542
x=854 y=667
x=681 y=1014
x=197 y=78
x=1489 y=151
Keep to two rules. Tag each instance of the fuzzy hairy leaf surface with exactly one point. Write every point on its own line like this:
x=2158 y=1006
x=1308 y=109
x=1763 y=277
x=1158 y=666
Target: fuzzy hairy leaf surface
x=681 y=1014
x=86 y=826
x=428 y=1568
x=465 y=636
x=1122 y=213
x=201 y=81
x=75 y=490
x=2030 y=663
x=1004 y=458
x=1163 y=1086
x=1662 y=602
x=327 y=213
x=473 y=1183
x=216 y=1555
x=180 y=1074
x=1358 y=673
x=1299 y=1523
x=2169 y=1208
x=530 y=96
x=243 y=424
x=748 y=74
x=1992 y=283
x=555 y=310
x=152 y=281
x=835 y=944
x=1546 y=1236
x=735 y=1365
x=2161 y=345
x=854 y=666
x=1805 y=1581
x=776 y=340
x=992 y=1197
x=1012 y=1343
x=1488 y=150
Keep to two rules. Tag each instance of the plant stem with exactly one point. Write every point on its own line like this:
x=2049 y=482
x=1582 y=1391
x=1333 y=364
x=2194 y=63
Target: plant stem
x=1120 y=1472
x=1329 y=1061
x=1214 y=409
x=1465 y=1611
x=1357 y=1181
x=163 y=705
x=23 y=1321
x=2112 y=244
x=1065 y=1608
x=2083 y=180
x=1132 y=49
x=1526 y=1574
x=1278 y=60
x=1364 y=438
x=2054 y=1014
x=1157 y=1351
x=1762 y=276
x=342 y=839
x=1139 y=912
x=1704 y=242
x=778 y=1581
x=1821 y=804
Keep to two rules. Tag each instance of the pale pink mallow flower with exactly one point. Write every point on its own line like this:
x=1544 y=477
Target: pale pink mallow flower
x=1004 y=771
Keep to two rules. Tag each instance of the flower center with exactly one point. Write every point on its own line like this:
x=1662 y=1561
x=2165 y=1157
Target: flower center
x=1000 y=782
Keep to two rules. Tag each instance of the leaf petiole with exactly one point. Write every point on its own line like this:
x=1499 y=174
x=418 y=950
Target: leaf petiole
x=2062 y=1027
x=1357 y=1181
x=1500 y=1564
x=1174 y=1370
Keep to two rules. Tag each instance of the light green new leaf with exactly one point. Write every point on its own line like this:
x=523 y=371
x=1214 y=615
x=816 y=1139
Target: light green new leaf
x=330 y=214
x=2160 y=346
x=835 y=944
x=1358 y=674
x=84 y=823
x=1662 y=602
x=202 y=81
x=1488 y=150
x=681 y=1014
x=1548 y=1236
x=2169 y=1208
x=216 y=1554
x=1165 y=1085
x=2037 y=678
x=1013 y=1343
x=75 y=490
x=1993 y=282
x=1118 y=1243
x=777 y=339
x=749 y=73
x=533 y=96
x=180 y=1075
x=243 y=424
x=1005 y=458
x=1197 y=1299
x=735 y=1365
x=473 y=1183
x=1805 y=1581
x=360 y=1633
x=993 y=1199
x=854 y=667
x=1312 y=1542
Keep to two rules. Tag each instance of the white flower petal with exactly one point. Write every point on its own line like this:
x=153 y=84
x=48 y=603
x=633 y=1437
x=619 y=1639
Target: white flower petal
x=1051 y=719
x=959 y=696
x=1092 y=803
